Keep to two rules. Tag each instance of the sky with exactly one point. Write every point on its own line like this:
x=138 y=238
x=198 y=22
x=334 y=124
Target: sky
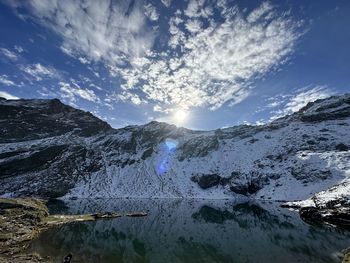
x=199 y=64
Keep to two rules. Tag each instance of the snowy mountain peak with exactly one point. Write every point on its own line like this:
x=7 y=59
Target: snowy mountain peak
x=49 y=149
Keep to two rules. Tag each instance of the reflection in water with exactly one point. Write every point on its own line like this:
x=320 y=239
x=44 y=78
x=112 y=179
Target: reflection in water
x=190 y=231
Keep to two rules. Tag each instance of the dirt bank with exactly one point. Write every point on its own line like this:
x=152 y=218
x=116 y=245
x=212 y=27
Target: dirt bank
x=22 y=220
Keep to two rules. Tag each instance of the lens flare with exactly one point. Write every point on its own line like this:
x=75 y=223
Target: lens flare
x=166 y=155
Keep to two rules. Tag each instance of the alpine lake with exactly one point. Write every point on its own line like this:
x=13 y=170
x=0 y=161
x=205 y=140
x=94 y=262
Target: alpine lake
x=191 y=231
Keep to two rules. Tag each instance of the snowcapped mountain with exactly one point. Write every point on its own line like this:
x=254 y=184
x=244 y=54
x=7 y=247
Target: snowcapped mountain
x=49 y=149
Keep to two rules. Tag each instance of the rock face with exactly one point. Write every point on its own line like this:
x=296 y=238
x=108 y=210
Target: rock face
x=24 y=120
x=48 y=149
x=20 y=220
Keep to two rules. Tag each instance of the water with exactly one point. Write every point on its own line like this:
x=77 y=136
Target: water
x=190 y=231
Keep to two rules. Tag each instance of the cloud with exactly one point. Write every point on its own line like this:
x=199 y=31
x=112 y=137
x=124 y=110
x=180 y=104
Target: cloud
x=198 y=8
x=210 y=55
x=7 y=82
x=39 y=72
x=8 y=96
x=19 y=49
x=9 y=54
x=83 y=60
x=133 y=98
x=167 y=3
x=72 y=91
x=294 y=102
x=111 y=31
x=194 y=25
x=210 y=62
x=151 y=12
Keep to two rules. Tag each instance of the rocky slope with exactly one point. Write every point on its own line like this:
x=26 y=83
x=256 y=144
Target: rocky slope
x=48 y=149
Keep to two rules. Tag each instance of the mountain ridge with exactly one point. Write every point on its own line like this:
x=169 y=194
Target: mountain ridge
x=69 y=153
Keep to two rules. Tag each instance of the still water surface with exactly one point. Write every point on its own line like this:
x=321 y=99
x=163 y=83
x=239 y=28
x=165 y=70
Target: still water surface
x=190 y=231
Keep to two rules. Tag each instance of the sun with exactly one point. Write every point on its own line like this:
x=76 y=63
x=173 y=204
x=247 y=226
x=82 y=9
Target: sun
x=180 y=115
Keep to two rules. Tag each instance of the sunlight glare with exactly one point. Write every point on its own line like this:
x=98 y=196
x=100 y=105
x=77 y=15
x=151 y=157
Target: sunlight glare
x=180 y=116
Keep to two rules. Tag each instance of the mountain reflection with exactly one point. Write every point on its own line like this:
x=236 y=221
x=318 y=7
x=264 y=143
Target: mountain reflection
x=190 y=231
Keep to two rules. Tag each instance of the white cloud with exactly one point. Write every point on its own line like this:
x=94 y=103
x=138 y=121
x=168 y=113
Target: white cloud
x=294 y=102
x=194 y=25
x=19 y=49
x=72 y=91
x=212 y=55
x=265 y=10
x=8 y=96
x=38 y=71
x=197 y=8
x=151 y=12
x=215 y=64
x=133 y=98
x=6 y=81
x=167 y=3
x=9 y=54
x=111 y=31
x=84 y=60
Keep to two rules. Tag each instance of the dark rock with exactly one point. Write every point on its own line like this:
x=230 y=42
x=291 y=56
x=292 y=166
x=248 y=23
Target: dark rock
x=207 y=180
x=311 y=142
x=239 y=189
x=106 y=215
x=335 y=212
x=310 y=214
x=224 y=180
x=253 y=140
x=324 y=130
x=198 y=147
x=147 y=153
x=35 y=119
x=341 y=147
x=35 y=162
x=67 y=258
x=323 y=139
x=136 y=214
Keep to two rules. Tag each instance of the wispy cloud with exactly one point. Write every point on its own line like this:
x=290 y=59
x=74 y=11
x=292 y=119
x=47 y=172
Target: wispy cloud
x=151 y=12
x=8 y=96
x=289 y=103
x=9 y=54
x=39 y=71
x=167 y=3
x=111 y=31
x=19 y=49
x=72 y=91
x=6 y=81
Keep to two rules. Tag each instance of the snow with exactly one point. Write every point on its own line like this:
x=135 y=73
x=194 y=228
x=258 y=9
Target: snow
x=295 y=160
x=145 y=181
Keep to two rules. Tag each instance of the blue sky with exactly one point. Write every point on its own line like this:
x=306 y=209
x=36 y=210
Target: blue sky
x=201 y=64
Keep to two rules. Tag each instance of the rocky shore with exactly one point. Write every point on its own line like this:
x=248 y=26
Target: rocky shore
x=334 y=213
x=22 y=220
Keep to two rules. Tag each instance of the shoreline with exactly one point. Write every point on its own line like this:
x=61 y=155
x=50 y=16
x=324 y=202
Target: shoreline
x=24 y=219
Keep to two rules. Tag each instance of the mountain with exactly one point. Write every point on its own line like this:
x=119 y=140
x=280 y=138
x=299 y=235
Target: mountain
x=50 y=150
